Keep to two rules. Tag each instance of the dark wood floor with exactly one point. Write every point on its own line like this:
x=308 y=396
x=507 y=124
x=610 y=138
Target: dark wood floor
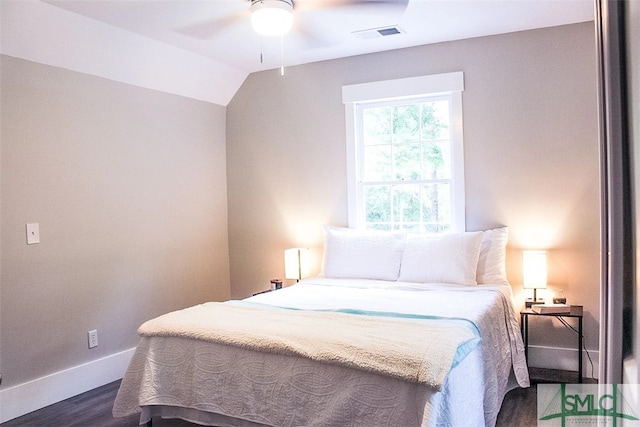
x=93 y=408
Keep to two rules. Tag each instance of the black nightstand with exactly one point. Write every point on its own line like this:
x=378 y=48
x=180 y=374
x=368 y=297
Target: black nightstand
x=275 y=285
x=263 y=292
x=576 y=312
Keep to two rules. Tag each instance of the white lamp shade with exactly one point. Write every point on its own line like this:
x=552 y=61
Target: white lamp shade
x=534 y=269
x=271 y=17
x=296 y=263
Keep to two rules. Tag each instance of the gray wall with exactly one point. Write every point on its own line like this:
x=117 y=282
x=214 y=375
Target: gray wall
x=531 y=156
x=129 y=188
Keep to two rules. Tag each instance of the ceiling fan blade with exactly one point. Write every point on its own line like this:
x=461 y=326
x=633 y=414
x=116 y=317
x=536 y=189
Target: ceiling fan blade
x=209 y=29
x=309 y=37
x=327 y=4
x=312 y=29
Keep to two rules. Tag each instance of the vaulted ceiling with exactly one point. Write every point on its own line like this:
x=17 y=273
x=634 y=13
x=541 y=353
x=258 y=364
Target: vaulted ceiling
x=205 y=48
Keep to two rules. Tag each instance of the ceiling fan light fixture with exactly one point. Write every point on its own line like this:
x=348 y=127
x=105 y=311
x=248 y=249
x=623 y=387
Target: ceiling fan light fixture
x=271 y=17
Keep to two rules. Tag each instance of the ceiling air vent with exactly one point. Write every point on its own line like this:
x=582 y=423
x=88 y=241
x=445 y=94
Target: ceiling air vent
x=378 y=32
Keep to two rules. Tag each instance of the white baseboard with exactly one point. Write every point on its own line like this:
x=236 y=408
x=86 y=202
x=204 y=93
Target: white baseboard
x=630 y=371
x=565 y=359
x=36 y=394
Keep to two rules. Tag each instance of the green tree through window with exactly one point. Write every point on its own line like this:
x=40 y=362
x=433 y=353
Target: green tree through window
x=406 y=165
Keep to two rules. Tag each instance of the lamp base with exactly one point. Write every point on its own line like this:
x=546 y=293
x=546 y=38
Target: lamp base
x=530 y=301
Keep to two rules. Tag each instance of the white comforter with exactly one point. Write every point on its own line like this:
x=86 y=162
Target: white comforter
x=212 y=386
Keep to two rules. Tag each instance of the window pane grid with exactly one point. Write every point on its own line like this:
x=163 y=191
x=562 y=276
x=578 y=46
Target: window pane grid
x=408 y=182
x=423 y=207
x=407 y=141
x=432 y=141
x=406 y=174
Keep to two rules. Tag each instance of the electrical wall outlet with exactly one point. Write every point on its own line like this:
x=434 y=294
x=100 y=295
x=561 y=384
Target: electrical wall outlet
x=93 y=338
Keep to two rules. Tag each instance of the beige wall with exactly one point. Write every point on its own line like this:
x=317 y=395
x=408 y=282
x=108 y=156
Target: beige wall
x=129 y=188
x=130 y=185
x=531 y=156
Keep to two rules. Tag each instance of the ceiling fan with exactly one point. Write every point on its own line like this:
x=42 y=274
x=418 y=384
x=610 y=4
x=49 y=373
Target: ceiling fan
x=277 y=17
x=271 y=17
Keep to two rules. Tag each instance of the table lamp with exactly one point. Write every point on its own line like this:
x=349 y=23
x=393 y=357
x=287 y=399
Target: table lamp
x=534 y=273
x=296 y=263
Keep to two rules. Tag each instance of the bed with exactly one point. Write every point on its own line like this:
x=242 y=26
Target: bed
x=398 y=330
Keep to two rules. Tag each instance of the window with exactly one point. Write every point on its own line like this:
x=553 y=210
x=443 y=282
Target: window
x=405 y=154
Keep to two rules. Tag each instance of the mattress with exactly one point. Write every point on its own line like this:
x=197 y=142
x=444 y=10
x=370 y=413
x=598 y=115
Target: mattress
x=216 y=384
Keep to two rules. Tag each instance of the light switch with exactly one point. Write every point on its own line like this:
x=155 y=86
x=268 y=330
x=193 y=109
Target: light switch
x=33 y=233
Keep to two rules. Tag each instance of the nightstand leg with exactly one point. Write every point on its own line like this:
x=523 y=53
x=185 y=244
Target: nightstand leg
x=579 y=349
x=524 y=330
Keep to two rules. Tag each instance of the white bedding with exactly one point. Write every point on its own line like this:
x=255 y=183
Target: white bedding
x=214 y=384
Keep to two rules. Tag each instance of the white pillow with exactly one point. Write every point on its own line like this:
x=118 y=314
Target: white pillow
x=493 y=254
x=364 y=254
x=450 y=258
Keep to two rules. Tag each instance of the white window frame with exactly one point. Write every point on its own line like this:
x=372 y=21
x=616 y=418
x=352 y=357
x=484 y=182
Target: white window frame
x=450 y=84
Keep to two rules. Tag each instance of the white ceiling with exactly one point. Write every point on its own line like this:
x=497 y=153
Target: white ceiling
x=205 y=49
x=221 y=30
